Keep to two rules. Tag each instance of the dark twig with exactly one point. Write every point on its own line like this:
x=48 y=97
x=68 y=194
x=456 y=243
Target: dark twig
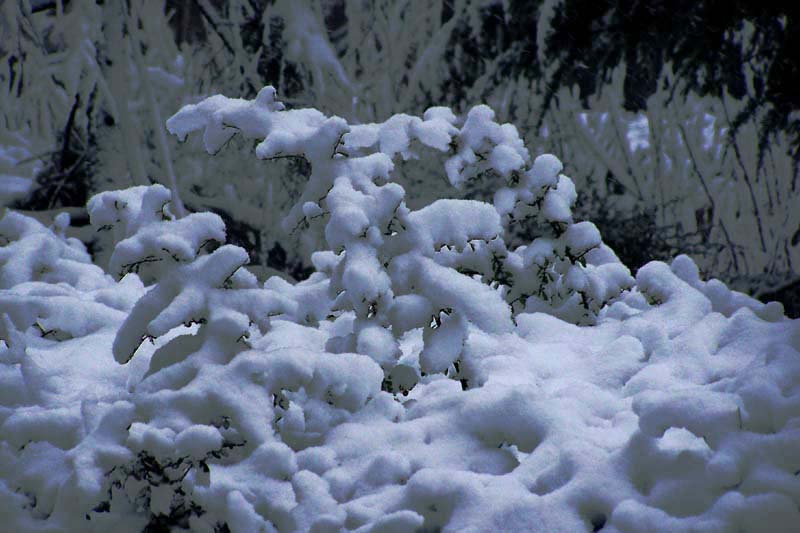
x=746 y=176
x=68 y=131
x=708 y=195
x=213 y=24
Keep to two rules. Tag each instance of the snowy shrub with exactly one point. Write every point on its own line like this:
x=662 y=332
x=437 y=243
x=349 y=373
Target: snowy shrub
x=447 y=264
x=430 y=375
x=390 y=274
x=32 y=252
x=675 y=177
x=147 y=234
x=86 y=85
x=47 y=280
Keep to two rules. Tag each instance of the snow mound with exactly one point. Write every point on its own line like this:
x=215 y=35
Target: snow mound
x=634 y=424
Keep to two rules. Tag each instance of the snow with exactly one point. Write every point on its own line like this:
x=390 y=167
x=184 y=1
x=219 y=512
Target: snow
x=453 y=223
x=177 y=240
x=443 y=345
x=545 y=171
x=32 y=252
x=481 y=138
x=638 y=134
x=425 y=377
x=197 y=441
x=18 y=166
x=14 y=187
x=576 y=438
x=128 y=210
x=559 y=201
x=582 y=237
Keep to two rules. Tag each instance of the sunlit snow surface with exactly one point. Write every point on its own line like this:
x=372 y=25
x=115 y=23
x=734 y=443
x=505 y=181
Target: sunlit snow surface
x=680 y=416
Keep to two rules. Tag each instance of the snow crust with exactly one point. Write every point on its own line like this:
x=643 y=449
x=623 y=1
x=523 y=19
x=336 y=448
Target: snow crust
x=426 y=377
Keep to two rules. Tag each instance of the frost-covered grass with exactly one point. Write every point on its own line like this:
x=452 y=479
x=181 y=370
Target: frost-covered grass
x=429 y=376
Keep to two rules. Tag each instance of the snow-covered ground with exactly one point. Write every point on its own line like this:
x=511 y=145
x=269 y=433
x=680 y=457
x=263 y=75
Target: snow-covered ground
x=682 y=416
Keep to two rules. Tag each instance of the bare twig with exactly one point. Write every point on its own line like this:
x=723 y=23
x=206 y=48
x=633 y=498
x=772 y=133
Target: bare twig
x=158 y=123
x=708 y=195
x=64 y=176
x=68 y=131
x=204 y=9
x=746 y=176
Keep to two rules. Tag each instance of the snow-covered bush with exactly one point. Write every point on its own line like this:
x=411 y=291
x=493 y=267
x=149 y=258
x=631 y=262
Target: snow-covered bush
x=44 y=277
x=146 y=234
x=444 y=266
x=86 y=84
x=672 y=178
x=278 y=406
x=33 y=252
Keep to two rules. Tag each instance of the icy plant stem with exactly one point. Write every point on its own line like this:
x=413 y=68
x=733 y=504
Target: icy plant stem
x=158 y=123
x=710 y=197
x=118 y=86
x=746 y=177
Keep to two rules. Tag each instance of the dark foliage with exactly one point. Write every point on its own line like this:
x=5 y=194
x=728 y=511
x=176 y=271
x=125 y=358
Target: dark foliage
x=66 y=181
x=147 y=472
x=278 y=259
x=590 y=38
x=152 y=473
